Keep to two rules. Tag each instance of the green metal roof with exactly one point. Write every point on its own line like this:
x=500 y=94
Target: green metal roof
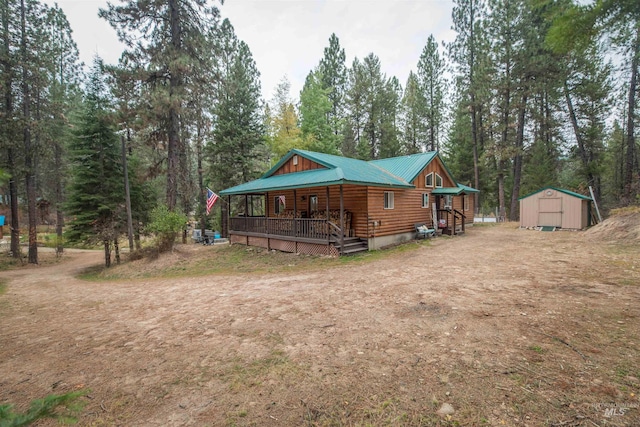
x=339 y=170
x=468 y=189
x=571 y=193
x=396 y=172
x=452 y=191
x=406 y=167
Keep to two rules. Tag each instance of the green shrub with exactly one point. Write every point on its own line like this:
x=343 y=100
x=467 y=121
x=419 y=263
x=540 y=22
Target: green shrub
x=63 y=407
x=166 y=225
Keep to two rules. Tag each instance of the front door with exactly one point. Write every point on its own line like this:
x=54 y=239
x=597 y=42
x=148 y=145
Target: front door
x=550 y=212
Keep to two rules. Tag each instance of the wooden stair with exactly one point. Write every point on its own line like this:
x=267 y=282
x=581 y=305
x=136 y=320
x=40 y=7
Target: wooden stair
x=352 y=245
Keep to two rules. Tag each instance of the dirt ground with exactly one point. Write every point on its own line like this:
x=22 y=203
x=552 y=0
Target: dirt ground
x=506 y=326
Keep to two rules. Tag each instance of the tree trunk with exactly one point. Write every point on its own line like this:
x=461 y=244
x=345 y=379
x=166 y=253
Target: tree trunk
x=116 y=247
x=107 y=253
x=586 y=158
x=517 y=161
x=59 y=195
x=202 y=200
x=15 y=212
x=26 y=134
x=173 y=144
x=631 y=141
x=501 y=199
x=127 y=195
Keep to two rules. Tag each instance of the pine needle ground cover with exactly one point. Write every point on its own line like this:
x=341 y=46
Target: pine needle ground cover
x=497 y=327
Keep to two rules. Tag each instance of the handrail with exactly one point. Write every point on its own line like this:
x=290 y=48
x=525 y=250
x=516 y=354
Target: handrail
x=338 y=230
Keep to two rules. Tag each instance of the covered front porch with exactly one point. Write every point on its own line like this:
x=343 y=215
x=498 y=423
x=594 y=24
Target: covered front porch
x=313 y=220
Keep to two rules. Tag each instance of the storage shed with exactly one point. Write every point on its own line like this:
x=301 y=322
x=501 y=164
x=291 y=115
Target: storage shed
x=555 y=207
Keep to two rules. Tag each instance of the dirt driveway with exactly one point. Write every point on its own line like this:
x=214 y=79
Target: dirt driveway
x=507 y=326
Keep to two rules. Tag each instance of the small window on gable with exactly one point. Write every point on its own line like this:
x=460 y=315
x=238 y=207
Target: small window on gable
x=438 y=181
x=425 y=200
x=388 y=199
x=428 y=180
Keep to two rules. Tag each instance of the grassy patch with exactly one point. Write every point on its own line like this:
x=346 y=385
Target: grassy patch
x=537 y=349
x=230 y=259
x=276 y=365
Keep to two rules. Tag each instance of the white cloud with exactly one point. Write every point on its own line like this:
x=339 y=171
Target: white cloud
x=288 y=37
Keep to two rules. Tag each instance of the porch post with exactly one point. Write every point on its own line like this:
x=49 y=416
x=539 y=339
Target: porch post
x=463 y=215
x=266 y=219
x=341 y=219
x=295 y=213
x=226 y=214
x=246 y=212
x=328 y=217
x=453 y=231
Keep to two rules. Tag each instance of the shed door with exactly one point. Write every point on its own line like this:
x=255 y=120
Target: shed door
x=550 y=212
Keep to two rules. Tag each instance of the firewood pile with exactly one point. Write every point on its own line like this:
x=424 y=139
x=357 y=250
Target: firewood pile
x=334 y=216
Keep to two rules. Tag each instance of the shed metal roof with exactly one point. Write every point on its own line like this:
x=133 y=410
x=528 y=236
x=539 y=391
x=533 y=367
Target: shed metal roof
x=562 y=190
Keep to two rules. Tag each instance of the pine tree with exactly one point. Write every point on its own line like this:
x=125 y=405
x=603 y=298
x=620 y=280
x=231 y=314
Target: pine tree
x=315 y=107
x=237 y=151
x=586 y=91
x=284 y=132
x=333 y=70
x=389 y=121
x=469 y=53
x=413 y=125
x=95 y=193
x=431 y=81
x=579 y=26
x=174 y=40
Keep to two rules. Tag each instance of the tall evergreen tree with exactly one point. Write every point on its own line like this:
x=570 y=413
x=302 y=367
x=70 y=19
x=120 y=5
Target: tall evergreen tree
x=586 y=90
x=580 y=25
x=413 y=124
x=283 y=130
x=96 y=189
x=469 y=54
x=430 y=74
x=174 y=39
x=315 y=107
x=237 y=150
x=333 y=70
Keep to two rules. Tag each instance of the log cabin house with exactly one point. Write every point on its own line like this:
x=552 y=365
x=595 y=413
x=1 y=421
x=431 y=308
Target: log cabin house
x=317 y=203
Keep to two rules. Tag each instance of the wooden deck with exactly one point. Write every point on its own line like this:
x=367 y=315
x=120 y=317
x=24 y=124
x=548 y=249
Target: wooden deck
x=307 y=235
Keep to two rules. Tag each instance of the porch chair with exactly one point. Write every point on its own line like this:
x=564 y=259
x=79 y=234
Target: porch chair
x=422 y=231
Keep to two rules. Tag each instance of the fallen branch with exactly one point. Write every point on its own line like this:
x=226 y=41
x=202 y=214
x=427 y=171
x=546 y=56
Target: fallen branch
x=565 y=343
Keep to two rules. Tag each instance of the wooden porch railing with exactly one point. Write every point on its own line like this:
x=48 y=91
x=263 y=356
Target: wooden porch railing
x=455 y=216
x=306 y=228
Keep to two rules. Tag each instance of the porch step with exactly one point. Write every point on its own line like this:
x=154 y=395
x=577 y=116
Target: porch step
x=352 y=245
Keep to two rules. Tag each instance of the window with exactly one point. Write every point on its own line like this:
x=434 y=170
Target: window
x=279 y=204
x=295 y=160
x=448 y=201
x=425 y=200
x=465 y=202
x=313 y=203
x=438 y=181
x=388 y=199
x=428 y=180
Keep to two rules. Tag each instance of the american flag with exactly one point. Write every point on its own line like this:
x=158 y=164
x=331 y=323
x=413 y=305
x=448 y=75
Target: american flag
x=211 y=199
